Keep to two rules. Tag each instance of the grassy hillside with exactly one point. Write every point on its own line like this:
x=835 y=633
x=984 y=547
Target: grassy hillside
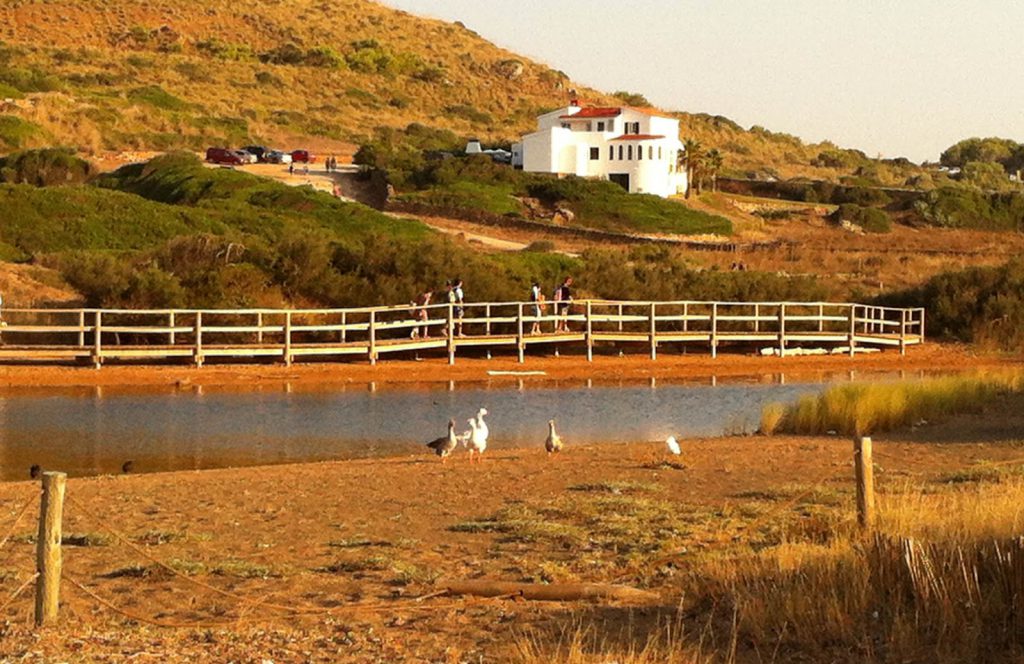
x=163 y=74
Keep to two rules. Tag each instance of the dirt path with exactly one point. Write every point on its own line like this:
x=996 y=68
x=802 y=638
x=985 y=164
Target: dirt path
x=570 y=367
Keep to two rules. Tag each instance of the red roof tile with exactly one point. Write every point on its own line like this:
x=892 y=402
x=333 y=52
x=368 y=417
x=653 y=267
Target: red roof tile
x=637 y=137
x=593 y=112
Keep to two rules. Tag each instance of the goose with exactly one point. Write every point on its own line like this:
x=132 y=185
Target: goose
x=35 y=471
x=553 y=443
x=477 y=439
x=673 y=446
x=443 y=446
x=481 y=425
x=127 y=467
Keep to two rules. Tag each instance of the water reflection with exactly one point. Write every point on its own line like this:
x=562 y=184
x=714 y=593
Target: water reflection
x=95 y=430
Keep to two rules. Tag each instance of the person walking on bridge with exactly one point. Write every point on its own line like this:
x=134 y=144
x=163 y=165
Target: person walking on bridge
x=563 y=303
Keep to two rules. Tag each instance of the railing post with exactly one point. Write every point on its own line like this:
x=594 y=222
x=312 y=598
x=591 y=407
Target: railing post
x=653 y=332
x=170 y=321
x=864 y=472
x=921 y=323
x=198 y=353
x=259 y=328
x=757 y=318
x=903 y=331
x=288 y=338
x=487 y=325
x=344 y=323
x=450 y=330
x=81 y=329
x=373 y=338
x=590 y=332
x=97 y=341
x=621 y=310
x=853 y=328
x=821 y=318
x=714 y=330
x=520 y=343
x=48 y=551
x=782 y=330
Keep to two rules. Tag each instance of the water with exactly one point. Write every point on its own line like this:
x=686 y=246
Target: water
x=94 y=431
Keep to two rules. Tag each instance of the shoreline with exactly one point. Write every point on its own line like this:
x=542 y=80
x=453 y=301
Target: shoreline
x=929 y=357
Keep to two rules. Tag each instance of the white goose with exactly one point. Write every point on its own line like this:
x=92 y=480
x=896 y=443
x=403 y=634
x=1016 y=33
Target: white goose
x=553 y=443
x=673 y=446
x=480 y=424
x=477 y=441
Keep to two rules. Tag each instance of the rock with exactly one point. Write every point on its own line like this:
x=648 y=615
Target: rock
x=563 y=217
x=510 y=69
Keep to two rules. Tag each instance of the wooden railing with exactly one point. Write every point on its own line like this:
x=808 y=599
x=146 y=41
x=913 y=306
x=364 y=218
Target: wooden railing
x=198 y=335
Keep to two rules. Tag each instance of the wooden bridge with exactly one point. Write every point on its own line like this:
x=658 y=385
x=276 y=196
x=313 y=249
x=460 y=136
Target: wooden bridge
x=97 y=336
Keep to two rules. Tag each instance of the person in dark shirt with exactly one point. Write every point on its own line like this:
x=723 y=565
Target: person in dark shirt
x=563 y=303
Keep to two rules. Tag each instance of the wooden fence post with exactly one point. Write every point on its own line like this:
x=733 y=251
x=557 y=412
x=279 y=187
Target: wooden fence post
x=81 y=329
x=97 y=341
x=654 y=332
x=487 y=325
x=450 y=329
x=590 y=333
x=714 y=330
x=48 y=553
x=344 y=322
x=373 y=338
x=821 y=318
x=864 y=471
x=757 y=318
x=170 y=320
x=921 y=323
x=259 y=327
x=198 y=352
x=782 y=330
x=903 y=331
x=853 y=328
x=621 y=310
x=288 y=338
x=520 y=344
x=686 y=316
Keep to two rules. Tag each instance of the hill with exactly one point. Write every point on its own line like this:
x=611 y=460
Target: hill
x=119 y=75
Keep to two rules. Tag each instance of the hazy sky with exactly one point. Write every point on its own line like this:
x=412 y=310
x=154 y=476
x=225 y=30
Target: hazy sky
x=896 y=77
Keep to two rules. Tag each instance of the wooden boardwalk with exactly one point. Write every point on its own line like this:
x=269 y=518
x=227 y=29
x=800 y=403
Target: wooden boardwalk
x=97 y=336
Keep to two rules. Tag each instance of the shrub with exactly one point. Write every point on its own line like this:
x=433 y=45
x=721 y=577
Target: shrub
x=961 y=207
x=870 y=219
x=156 y=96
x=632 y=99
x=16 y=133
x=467 y=112
x=48 y=167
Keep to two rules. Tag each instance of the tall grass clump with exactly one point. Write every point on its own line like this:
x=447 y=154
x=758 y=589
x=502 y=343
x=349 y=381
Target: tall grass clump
x=865 y=408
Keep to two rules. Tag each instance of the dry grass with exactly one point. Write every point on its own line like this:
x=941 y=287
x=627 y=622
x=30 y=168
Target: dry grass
x=859 y=409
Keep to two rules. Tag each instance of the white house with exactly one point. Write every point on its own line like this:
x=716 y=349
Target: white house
x=636 y=148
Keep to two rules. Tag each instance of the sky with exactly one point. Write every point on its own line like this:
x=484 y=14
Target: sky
x=889 y=77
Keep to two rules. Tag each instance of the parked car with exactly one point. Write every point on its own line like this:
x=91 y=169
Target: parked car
x=302 y=157
x=278 y=157
x=260 y=151
x=246 y=157
x=223 y=156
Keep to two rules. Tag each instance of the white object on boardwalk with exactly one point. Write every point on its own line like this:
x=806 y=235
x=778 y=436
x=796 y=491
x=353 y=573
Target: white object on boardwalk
x=673 y=446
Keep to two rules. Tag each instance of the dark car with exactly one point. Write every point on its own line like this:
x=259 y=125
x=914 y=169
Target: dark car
x=223 y=156
x=258 y=151
x=302 y=157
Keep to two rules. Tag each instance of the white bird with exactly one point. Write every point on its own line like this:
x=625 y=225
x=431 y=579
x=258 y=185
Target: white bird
x=443 y=446
x=481 y=425
x=673 y=446
x=553 y=443
x=477 y=440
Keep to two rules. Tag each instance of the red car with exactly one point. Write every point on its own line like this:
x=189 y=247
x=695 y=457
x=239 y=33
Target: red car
x=223 y=156
x=302 y=157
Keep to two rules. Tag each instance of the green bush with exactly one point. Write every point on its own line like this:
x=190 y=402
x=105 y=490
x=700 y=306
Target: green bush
x=16 y=133
x=155 y=96
x=962 y=207
x=870 y=219
x=467 y=112
x=48 y=167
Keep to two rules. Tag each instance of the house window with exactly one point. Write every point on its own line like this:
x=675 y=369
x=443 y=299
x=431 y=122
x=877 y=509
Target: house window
x=600 y=126
x=650 y=152
x=611 y=153
x=565 y=125
x=611 y=125
x=659 y=153
x=630 y=152
x=632 y=127
x=595 y=154
x=620 y=153
x=640 y=152
x=589 y=126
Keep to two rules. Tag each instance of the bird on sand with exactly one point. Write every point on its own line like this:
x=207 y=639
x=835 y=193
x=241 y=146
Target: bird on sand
x=481 y=425
x=127 y=466
x=477 y=439
x=443 y=446
x=673 y=446
x=553 y=443
x=35 y=471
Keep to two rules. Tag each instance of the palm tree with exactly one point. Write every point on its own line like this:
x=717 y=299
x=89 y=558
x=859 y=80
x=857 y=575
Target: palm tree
x=693 y=152
x=712 y=165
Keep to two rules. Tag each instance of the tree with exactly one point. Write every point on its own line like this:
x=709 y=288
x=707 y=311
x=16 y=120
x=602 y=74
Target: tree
x=712 y=165
x=693 y=151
